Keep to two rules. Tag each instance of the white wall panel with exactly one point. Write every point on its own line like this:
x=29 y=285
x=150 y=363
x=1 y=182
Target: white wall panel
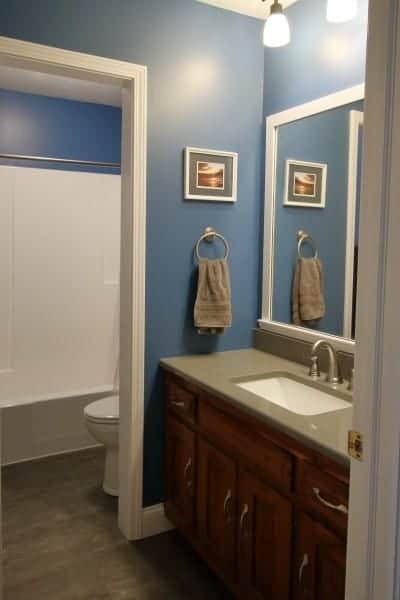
x=6 y=269
x=66 y=282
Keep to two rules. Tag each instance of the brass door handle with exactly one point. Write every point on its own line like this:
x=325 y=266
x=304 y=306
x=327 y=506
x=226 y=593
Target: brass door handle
x=339 y=507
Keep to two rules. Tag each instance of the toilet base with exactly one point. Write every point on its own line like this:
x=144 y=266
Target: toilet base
x=110 y=483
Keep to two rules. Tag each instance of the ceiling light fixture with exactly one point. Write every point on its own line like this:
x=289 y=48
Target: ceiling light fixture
x=339 y=11
x=276 y=30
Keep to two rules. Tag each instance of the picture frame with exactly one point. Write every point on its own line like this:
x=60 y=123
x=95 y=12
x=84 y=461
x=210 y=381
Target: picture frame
x=210 y=175
x=305 y=184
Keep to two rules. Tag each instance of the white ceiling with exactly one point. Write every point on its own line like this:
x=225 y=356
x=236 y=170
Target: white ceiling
x=253 y=8
x=57 y=86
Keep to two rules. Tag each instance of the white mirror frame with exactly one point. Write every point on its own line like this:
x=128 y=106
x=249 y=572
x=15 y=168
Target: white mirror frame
x=347 y=96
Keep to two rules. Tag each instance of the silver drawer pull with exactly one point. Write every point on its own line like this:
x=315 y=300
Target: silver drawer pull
x=339 y=507
x=179 y=404
x=303 y=565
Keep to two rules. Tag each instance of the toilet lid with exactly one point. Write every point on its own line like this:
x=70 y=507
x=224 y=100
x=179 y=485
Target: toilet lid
x=106 y=409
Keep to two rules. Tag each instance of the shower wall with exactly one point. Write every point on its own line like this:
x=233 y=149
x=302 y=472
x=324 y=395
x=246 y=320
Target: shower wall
x=59 y=270
x=59 y=321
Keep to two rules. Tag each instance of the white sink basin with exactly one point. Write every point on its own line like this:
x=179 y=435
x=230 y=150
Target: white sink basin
x=294 y=396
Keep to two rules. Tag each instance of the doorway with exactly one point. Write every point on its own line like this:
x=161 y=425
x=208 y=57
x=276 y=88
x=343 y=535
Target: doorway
x=132 y=81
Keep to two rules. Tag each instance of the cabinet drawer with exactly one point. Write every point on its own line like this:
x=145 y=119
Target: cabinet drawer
x=249 y=445
x=182 y=400
x=323 y=495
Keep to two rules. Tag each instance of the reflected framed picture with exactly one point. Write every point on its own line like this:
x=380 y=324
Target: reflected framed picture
x=210 y=175
x=305 y=184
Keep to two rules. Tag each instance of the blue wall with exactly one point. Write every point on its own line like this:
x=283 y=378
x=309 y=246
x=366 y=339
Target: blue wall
x=321 y=58
x=321 y=138
x=205 y=89
x=42 y=126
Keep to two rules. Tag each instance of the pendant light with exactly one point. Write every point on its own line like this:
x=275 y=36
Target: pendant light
x=276 y=30
x=339 y=11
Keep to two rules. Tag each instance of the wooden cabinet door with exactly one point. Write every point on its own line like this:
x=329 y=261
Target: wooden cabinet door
x=320 y=562
x=264 y=540
x=180 y=473
x=217 y=507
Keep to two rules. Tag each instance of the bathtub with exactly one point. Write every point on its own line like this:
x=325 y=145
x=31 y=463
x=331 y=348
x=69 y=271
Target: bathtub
x=38 y=427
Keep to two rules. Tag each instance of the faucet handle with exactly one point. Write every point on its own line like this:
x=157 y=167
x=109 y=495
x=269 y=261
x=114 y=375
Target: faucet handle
x=314 y=368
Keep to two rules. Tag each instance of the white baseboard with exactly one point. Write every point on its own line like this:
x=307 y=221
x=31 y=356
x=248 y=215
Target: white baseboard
x=154 y=521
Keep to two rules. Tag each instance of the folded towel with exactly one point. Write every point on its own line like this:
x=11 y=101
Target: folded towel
x=212 y=309
x=308 y=302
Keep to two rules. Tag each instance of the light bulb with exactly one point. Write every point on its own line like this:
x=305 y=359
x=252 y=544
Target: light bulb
x=276 y=30
x=339 y=11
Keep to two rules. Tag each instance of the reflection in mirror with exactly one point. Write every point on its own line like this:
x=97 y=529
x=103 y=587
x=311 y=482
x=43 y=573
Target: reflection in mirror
x=317 y=191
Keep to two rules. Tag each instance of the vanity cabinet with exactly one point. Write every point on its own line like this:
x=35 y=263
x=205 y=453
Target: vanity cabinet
x=181 y=469
x=264 y=540
x=267 y=513
x=320 y=562
x=216 y=506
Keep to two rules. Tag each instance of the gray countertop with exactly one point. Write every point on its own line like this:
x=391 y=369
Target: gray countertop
x=214 y=373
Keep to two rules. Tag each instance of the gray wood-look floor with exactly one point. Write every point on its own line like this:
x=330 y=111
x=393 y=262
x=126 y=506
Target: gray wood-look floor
x=61 y=541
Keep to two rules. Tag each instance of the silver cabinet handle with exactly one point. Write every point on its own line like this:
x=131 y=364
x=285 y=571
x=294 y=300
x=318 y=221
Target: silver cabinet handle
x=179 y=404
x=245 y=512
x=339 y=507
x=304 y=564
x=228 y=498
x=185 y=473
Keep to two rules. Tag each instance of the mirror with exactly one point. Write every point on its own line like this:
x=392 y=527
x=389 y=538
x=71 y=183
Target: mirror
x=312 y=212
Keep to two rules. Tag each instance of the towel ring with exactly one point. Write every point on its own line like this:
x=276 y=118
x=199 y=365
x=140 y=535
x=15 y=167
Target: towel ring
x=209 y=232
x=302 y=237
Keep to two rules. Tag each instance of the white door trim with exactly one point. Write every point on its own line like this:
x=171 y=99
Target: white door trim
x=133 y=79
x=374 y=527
x=356 y=120
x=301 y=111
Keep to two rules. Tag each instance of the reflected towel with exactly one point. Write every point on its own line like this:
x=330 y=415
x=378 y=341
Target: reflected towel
x=308 y=303
x=212 y=309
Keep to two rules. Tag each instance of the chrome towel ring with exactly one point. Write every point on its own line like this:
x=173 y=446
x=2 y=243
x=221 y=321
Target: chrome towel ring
x=208 y=236
x=302 y=237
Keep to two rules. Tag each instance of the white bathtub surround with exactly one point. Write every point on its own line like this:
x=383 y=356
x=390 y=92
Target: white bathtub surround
x=59 y=275
x=36 y=429
x=59 y=306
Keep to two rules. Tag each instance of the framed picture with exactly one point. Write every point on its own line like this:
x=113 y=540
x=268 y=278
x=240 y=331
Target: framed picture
x=305 y=184
x=210 y=175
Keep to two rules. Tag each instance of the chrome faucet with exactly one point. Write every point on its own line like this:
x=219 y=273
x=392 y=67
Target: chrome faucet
x=334 y=377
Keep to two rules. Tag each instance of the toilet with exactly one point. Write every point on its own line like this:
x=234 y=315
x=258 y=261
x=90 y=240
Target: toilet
x=102 y=421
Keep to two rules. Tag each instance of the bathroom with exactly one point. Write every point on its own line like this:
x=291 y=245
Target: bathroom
x=207 y=85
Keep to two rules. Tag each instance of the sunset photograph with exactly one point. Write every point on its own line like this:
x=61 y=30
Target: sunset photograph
x=304 y=184
x=210 y=175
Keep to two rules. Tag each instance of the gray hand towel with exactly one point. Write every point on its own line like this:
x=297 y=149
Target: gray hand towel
x=212 y=309
x=308 y=303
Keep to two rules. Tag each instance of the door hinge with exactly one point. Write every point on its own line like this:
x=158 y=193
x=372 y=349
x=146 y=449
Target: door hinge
x=355 y=447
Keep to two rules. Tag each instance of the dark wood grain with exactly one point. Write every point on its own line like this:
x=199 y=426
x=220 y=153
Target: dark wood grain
x=265 y=540
x=271 y=473
x=324 y=558
x=217 y=498
x=234 y=435
x=181 y=472
x=181 y=399
x=311 y=478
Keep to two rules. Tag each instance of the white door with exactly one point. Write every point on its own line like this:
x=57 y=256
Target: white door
x=372 y=569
